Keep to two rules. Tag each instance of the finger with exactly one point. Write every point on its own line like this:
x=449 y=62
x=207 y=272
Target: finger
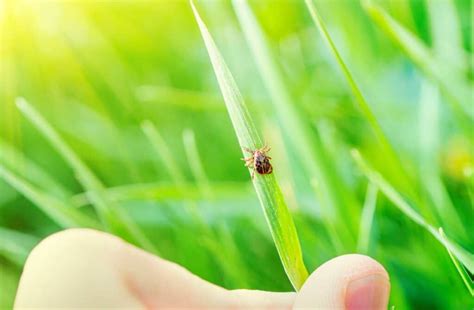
x=87 y=268
x=76 y=268
x=255 y=299
x=346 y=282
x=162 y=284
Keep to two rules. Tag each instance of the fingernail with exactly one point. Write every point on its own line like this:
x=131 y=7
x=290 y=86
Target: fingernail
x=369 y=292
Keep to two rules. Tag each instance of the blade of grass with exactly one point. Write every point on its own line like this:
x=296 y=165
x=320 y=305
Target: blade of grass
x=466 y=278
x=163 y=151
x=113 y=218
x=394 y=164
x=303 y=140
x=447 y=35
x=18 y=162
x=85 y=175
x=85 y=83
x=328 y=221
x=155 y=96
x=8 y=286
x=100 y=132
x=460 y=253
x=171 y=165
x=234 y=267
x=64 y=215
x=457 y=90
x=362 y=103
x=462 y=272
x=16 y=245
x=429 y=170
x=367 y=218
x=195 y=163
x=469 y=174
x=165 y=191
x=206 y=235
x=271 y=199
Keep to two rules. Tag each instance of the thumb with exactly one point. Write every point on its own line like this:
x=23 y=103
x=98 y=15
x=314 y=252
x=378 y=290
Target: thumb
x=346 y=282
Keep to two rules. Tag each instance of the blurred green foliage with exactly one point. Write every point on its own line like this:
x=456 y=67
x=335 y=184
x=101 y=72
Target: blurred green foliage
x=94 y=71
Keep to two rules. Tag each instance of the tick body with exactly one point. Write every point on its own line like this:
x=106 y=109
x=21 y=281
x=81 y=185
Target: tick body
x=259 y=161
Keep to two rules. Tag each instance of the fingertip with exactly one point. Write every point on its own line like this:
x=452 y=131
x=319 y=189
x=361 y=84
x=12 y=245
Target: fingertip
x=351 y=281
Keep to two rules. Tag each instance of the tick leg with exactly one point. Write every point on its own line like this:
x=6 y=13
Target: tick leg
x=266 y=148
x=247 y=149
x=252 y=174
x=248 y=161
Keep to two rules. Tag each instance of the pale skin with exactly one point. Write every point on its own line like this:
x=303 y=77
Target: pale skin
x=82 y=268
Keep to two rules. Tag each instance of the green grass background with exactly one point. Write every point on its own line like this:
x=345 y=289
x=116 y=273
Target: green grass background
x=123 y=128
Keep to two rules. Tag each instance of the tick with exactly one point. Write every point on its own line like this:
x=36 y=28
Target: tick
x=259 y=161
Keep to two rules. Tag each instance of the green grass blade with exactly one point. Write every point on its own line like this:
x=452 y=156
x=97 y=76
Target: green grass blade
x=447 y=34
x=16 y=245
x=29 y=170
x=394 y=164
x=166 y=191
x=328 y=220
x=207 y=236
x=83 y=173
x=460 y=253
x=163 y=151
x=229 y=257
x=362 y=103
x=308 y=147
x=462 y=272
x=456 y=89
x=174 y=169
x=367 y=218
x=64 y=215
x=195 y=162
x=429 y=146
x=271 y=199
x=114 y=218
x=154 y=97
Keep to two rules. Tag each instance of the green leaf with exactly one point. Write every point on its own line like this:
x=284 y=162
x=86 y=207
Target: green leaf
x=447 y=35
x=30 y=171
x=268 y=191
x=84 y=175
x=207 y=235
x=164 y=152
x=429 y=133
x=462 y=272
x=195 y=163
x=367 y=218
x=460 y=253
x=16 y=245
x=334 y=199
x=456 y=88
x=174 y=169
x=393 y=163
x=8 y=285
x=114 y=218
x=154 y=97
x=165 y=191
x=64 y=215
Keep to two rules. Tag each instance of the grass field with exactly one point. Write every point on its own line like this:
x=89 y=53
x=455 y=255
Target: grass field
x=129 y=117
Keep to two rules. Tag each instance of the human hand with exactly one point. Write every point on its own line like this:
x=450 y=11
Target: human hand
x=81 y=268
